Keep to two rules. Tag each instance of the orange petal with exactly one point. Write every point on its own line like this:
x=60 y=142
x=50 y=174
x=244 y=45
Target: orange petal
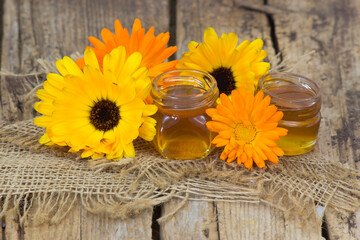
x=248 y=164
x=81 y=63
x=108 y=39
x=259 y=162
x=136 y=25
x=97 y=43
x=278 y=151
x=217 y=126
x=271 y=156
x=281 y=131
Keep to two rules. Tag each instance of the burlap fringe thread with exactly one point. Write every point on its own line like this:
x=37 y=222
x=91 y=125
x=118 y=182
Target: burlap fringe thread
x=41 y=183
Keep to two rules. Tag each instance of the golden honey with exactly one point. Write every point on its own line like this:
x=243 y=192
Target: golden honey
x=182 y=96
x=299 y=99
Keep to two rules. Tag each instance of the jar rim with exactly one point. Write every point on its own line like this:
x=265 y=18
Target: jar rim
x=212 y=85
x=314 y=86
x=163 y=96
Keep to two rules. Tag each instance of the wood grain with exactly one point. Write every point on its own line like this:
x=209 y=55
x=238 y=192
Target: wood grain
x=101 y=226
x=262 y=222
x=195 y=220
x=12 y=229
x=193 y=17
x=248 y=21
x=69 y=228
x=50 y=29
x=333 y=31
x=343 y=226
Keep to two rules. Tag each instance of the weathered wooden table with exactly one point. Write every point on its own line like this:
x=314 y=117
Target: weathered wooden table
x=32 y=29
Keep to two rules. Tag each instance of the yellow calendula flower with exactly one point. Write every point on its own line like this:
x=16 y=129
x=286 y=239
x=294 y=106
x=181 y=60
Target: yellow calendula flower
x=247 y=127
x=232 y=66
x=97 y=113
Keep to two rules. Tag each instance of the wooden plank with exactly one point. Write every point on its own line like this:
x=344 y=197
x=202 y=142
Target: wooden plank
x=193 y=17
x=195 y=220
x=68 y=228
x=2 y=221
x=261 y=222
x=343 y=226
x=50 y=29
x=94 y=226
x=250 y=21
x=12 y=229
x=333 y=31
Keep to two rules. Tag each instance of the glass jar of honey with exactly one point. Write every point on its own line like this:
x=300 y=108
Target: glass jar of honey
x=182 y=96
x=299 y=99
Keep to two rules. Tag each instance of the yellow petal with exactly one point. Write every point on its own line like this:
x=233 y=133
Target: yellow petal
x=129 y=150
x=131 y=64
x=91 y=59
x=42 y=121
x=44 y=95
x=45 y=139
x=44 y=108
x=71 y=67
x=143 y=87
x=210 y=37
x=192 y=45
x=150 y=109
x=125 y=94
x=147 y=129
x=114 y=61
x=61 y=67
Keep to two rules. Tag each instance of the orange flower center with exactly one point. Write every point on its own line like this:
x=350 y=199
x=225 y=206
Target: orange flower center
x=246 y=133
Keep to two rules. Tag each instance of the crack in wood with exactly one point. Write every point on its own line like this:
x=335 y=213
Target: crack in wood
x=261 y=8
x=155 y=226
x=19 y=43
x=269 y=12
x=81 y=222
x=273 y=35
x=172 y=26
x=2 y=2
x=3 y=224
x=324 y=229
x=217 y=220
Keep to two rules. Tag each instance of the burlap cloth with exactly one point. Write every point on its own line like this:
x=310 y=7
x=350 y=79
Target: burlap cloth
x=42 y=183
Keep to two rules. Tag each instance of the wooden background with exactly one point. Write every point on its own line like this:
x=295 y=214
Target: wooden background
x=32 y=29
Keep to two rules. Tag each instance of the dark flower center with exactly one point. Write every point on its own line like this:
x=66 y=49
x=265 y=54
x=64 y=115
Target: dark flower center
x=225 y=79
x=104 y=115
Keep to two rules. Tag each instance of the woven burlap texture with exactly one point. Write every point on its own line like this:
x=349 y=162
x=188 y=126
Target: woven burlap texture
x=41 y=183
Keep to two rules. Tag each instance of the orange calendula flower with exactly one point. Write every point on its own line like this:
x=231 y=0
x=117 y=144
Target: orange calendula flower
x=153 y=49
x=247 y=127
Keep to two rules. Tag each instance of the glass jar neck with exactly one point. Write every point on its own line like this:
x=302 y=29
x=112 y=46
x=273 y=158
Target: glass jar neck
x=184 y=89
x=299 y=89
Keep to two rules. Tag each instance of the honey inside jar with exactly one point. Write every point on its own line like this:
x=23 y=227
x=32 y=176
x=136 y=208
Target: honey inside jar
x=299 y=99
x=182 y=98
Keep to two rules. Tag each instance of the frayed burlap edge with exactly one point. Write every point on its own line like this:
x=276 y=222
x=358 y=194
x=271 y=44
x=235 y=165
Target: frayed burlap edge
x=41 y=184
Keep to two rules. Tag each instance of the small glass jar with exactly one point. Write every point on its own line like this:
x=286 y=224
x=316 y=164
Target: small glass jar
x=182 y=96
x=299 y=99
